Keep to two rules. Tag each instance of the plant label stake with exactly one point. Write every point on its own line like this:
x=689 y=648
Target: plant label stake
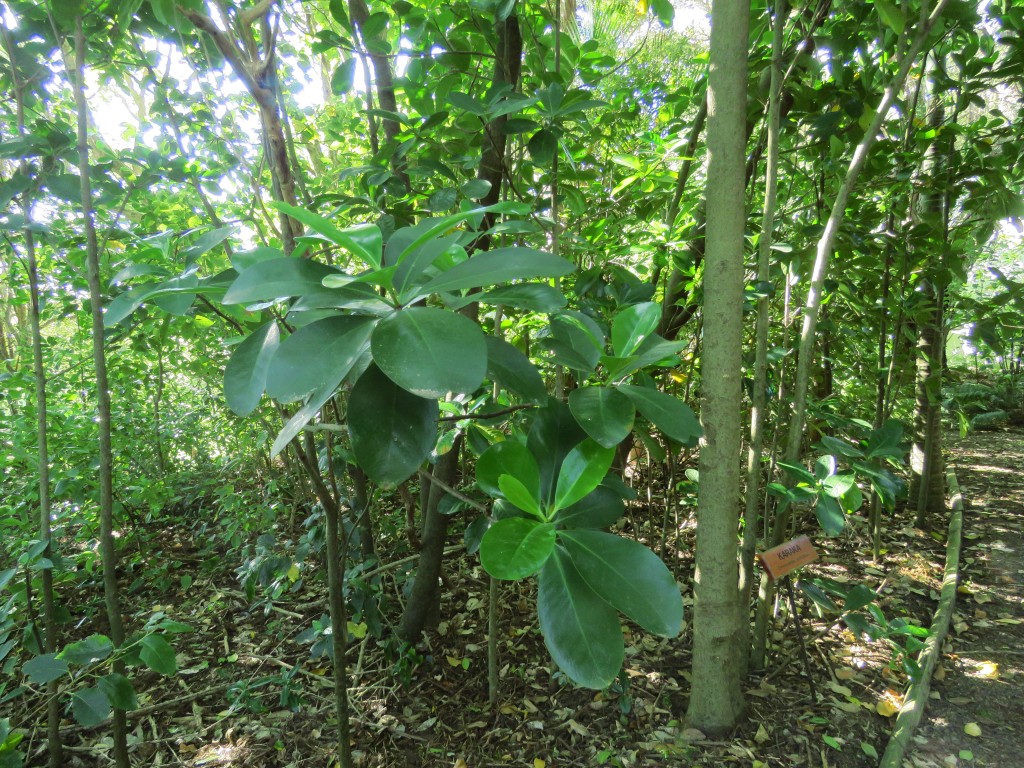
x=778 y=562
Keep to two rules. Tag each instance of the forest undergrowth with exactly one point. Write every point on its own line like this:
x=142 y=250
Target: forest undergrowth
x=254 y=688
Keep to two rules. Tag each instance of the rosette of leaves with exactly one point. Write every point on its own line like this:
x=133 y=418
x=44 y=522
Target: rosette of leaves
x=607 y=407
x=382 y=318
x=553 y=498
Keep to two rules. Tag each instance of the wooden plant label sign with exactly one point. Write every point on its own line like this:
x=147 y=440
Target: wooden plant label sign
x=780 y=560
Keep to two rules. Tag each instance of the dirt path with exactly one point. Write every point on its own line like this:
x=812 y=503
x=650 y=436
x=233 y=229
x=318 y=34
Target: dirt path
x=981 y=682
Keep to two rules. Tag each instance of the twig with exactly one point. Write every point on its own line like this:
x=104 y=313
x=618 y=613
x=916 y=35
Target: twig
x=492 y=415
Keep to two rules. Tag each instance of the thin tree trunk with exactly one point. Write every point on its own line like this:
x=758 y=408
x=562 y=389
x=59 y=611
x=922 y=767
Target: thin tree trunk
x=760 y=395
x=55 y=747
x=719 y=648
x=424 y=602
x=826 y=243
x=108 y=552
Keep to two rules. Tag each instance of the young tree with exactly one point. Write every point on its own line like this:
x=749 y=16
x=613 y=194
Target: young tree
x=719 y=653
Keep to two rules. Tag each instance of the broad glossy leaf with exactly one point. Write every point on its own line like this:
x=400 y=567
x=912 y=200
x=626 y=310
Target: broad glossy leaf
x=516 y=547
x=669 y=414
x=90 y=706
x=629 y=576
x=604 y=413
x=242 y=260
x=799 y=472
x=510 y=368
x=542 y=147
x=494 y=267
x=245 y=376
x=157 y=654
x=533 y=297
x=598 y=509
x=119 y=691
x=509 y=457
x=430 y=351
x=280 y=278
x=364 y=241
x=431 y=228
x=582 y=470
x=841 y=447
x=837 y=486
x=43 y=669
x=830 y=515
x=582 y=631
x=415 y=263
x=392 y=430
x=474 y=534
x=653 y=350
x=303 y=416
x=316 y=355
x=552 y=435
x=633 y=325
x=517 y=494
x=88 y=650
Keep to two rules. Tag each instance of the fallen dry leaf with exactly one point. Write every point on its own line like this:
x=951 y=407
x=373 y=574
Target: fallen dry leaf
x=972 y=729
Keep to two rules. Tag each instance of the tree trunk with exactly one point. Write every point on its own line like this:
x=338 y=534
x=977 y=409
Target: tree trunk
x=108 y=552
x=719 y=650
x=424 y=602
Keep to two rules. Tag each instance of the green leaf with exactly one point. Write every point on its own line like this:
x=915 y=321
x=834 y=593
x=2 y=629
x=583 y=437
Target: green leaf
x=582 y=470
x=88 y=651
x=652 y=350
x=509 y=457
x=891 y=15
x=665 y=11
x=598 y=509
x=157 y=654
x=364 y=241
x=344 y=77
x=629 y=576
x=858 y=597
x=510 y=368
x=414 y=264
x=516 y=547
x=542 y=147
x=533 y=297
x=513 y=489
x=492 y=267
x=799 y=472
x=392 y=430
x=552 y=435
x=90 y=706
x=824 y=467
x=841 y=447
x=832 y=742
x=669 y=414
x=279 y=278
x=246 y=373
x=581 y=631
x=633 y=325
x=430 y=352
x=830 y=515
x=604 y=413
x=442 y=200
x=838 y=486
x=869 y=750
x=316 y=355
x=44 y=669
x=575 y=340
x=303 y=416
x=119 y=691
x=476 y=189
